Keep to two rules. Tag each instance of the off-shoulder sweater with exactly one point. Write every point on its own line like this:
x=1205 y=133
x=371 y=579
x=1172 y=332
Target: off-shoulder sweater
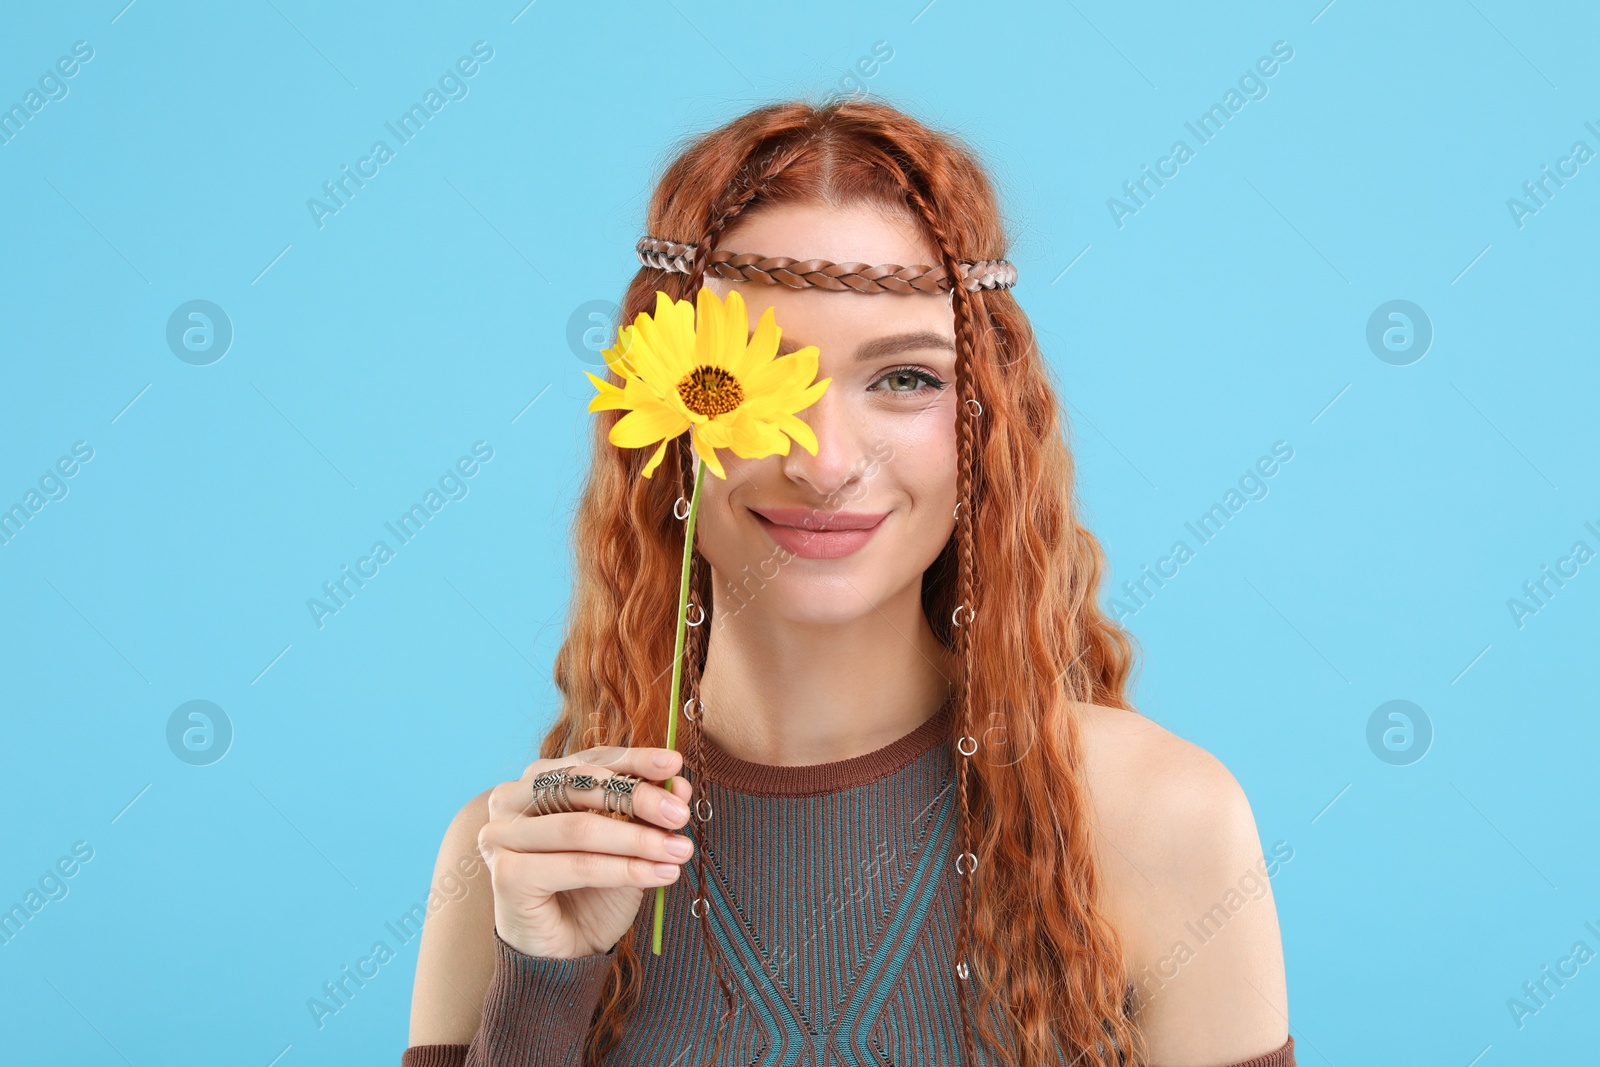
x=834 y=904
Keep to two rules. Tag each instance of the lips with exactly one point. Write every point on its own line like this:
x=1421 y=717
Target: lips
x=811 y=534
x=812 y=519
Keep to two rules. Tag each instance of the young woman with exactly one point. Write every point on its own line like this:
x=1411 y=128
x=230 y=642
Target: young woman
x=926 y=824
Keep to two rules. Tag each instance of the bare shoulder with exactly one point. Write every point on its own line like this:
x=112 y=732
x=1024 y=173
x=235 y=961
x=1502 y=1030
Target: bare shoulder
x=1186 y=883
x=455 y=960
x=1162 y=797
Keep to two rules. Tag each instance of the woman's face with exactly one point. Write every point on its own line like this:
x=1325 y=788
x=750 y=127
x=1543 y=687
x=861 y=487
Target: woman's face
x=885 y=427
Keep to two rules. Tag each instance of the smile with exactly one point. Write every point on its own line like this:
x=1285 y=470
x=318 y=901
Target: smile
x=811 y=534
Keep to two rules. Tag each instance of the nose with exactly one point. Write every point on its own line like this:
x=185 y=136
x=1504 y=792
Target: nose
x=840 y=447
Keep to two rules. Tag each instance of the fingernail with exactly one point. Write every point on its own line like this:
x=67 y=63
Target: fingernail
x=667 y=870
x=663 y=759
x=679 y=846
x=673 y=808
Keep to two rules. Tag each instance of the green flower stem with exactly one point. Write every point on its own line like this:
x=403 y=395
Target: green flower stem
x=677 y=673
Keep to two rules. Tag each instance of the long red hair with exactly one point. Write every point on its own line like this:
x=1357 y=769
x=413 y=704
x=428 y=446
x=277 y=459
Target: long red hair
x=1039 y=946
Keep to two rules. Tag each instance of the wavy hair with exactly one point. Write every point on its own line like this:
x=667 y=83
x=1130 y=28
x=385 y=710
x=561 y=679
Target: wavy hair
x=1035 y=641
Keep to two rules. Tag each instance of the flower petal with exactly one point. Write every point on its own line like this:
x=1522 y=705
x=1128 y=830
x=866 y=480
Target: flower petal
x=668 y=340
x=711 y=328
x=794 y=402
x=760 y=346
x=610 y=396
x=617 y=357
x=709 y=454
x=787 y=374
x=716 y=433
x=661 y=450
x=803 y=434
x=757 y=438
x=647 y=425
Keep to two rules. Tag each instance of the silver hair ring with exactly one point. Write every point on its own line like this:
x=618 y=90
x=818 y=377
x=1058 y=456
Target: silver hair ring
x=685 y=513
x=969 y=402
x=697 y=907
x=698 y=608
x=697 y=810
x=957 y=512
x=972 y=866
x=955 y=616
x=692 y=716
x=961 y=745
x=961 y=969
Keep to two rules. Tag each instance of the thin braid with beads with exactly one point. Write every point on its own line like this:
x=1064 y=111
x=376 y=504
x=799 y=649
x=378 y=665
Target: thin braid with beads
x=749 y=189
x=966 y=583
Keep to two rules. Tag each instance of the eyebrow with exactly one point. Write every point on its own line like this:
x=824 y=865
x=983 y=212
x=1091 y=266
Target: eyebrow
x=880 y=347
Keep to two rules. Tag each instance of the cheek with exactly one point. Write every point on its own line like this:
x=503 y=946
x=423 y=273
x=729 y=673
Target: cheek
x=917 y=455
x=925 y=451
x=715 y=529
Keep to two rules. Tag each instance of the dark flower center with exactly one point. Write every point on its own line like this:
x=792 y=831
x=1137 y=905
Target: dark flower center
x=710 y=391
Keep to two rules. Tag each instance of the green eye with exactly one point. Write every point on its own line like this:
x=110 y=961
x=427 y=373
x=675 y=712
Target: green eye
x=916 y=374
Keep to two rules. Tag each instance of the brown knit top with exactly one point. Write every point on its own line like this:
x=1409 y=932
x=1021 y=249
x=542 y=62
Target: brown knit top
x=833 y=900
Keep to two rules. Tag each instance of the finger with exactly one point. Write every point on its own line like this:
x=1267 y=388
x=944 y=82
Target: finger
x=555 y=872
x=644 y=760
x=582 y=831
x=647 y=763
x=647 y=802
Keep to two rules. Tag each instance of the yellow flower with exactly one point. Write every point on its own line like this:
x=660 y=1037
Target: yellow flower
x=698 y=367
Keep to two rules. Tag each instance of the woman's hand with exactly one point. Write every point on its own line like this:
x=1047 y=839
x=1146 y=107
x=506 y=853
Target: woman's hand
x=569 y=883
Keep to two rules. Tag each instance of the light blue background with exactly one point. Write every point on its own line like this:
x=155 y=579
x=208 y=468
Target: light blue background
x=1229 y=313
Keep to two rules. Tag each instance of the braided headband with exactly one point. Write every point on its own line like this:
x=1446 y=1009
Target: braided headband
x=800 y=273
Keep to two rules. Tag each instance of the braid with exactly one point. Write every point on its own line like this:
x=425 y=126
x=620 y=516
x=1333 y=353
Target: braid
x=966 y=579
x=754 y=177
x=695 y=652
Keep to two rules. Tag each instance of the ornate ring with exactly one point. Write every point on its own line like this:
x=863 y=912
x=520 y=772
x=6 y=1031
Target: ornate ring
x=547 y=796
x=581 y=782
x=618 y=795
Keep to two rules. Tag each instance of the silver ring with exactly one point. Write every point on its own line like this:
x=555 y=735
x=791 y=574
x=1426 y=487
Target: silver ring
x=549 y=791
x=698 y=608
x=955 y=616
x=582 y=782
x=707 y=816
x=968 y=404
x=693 y=716
x=963 y=749
x=540 y=785
x=972 y=866
x=618 y=795
x=957 y=512
x=697 y=907
x=676 y=513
